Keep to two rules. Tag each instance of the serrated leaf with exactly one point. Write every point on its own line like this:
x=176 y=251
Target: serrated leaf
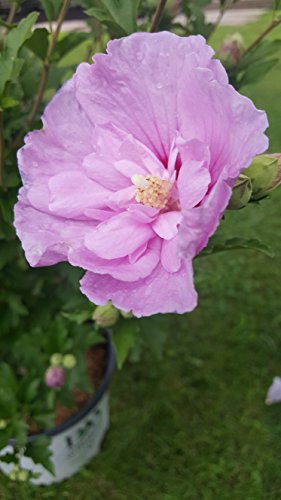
x=40 y=453
x=38 y=43
x=123 y=339
x=236 y=244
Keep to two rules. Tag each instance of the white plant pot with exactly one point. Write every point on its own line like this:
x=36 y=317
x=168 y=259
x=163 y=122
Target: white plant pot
x=77 y=440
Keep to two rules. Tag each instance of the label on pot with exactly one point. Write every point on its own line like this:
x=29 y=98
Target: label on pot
x=71 y=448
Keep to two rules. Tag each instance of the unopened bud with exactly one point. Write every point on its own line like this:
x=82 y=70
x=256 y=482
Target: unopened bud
x=55 y=377
x=265 y=175
x=3 y=424
x=22 y=475
x=241 y=193
x=56 y=359
x=106 y=315
x=231 y=49
x=69 y=361
x=126 y=315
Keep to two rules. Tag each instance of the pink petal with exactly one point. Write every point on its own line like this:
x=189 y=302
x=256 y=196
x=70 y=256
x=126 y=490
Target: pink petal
x=193 y=181
x=200 y=223
x=226 y=121
x=121 y=269
x=46 y=239
x=166 y=224
x=136 y=85
x=160 y=292
x=72 y=193
x=170 y=256
x=118 y=237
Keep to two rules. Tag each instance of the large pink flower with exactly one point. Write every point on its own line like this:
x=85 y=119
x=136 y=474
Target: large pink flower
x=133 y=169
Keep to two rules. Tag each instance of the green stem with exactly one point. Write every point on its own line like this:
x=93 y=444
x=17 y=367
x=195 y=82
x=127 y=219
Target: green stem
x=157 y=15
x=263 y=34
x=12 y=13
x=219 y=18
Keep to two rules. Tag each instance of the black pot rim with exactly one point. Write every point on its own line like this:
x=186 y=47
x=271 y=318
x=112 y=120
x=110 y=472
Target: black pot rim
x=93 y=401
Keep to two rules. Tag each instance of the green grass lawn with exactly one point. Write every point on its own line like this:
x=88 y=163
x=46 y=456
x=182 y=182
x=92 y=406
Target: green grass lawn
x=193 y=426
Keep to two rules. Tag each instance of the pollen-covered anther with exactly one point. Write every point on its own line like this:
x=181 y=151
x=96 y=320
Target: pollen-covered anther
x=152 y=190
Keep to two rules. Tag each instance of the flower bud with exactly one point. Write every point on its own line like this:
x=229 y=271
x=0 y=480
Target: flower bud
x=106 y=315
x=231 y=49
x=55 y=377
x=265 y=175
x=241 y=193
x=3 y=424
x=69 y=361
x=22 y=475
x=126 y=315
x=56 y=359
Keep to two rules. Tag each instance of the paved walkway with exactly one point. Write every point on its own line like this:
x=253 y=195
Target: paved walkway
x=232 y=17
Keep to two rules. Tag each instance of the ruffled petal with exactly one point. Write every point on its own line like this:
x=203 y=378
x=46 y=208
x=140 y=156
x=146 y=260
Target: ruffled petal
x=135 y=86
x=166 y=224
x=160 y=292
x=122 y=269
x=118 y=237
x=46 y=239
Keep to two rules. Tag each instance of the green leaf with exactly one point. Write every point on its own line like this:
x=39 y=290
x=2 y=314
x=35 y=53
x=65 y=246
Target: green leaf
x=11 y=46
x=51 y=8
x=216 y=246
x=69 y=42
x=122 y=12
x=38 y=43
x=123 y=338
x=7 y=377
x=78 y=317
x=40 y=453
x=276 y=4
x=9 y=102
x=32 y=390
x=257 y=71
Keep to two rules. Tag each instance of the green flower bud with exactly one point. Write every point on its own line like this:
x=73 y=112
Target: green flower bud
x=126 y=315
x=241 y=193
x=3 y=424
x=56 y=359
x=13 y=475
x=23 y=475
x=264 y=173
x=106 y=315
x=69 y=361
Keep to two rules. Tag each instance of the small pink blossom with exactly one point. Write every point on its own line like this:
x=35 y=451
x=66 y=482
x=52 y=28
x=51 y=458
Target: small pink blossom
x=133 y=169
x=55 y=377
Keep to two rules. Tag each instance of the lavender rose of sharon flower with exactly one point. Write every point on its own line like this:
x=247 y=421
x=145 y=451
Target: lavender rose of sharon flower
x=133 y=169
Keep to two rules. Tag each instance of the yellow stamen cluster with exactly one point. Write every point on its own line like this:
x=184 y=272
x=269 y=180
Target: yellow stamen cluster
x=152 y=190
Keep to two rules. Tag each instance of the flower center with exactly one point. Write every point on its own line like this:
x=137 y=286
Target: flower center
x=151 y=190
